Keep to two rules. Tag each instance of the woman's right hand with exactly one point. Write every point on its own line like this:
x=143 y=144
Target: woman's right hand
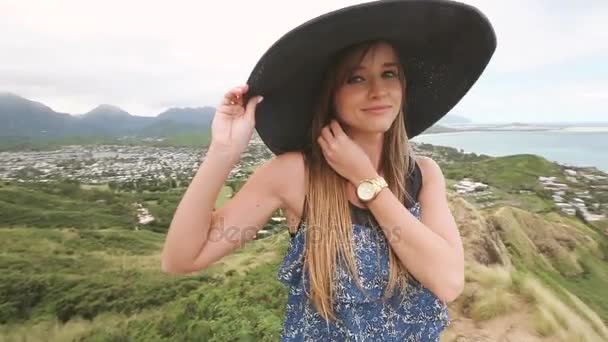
x=233 y=122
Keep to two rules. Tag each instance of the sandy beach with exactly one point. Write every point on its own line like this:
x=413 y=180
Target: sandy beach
x=524 y=128
x=581 y=129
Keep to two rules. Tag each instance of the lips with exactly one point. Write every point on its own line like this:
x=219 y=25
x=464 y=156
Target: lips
x=377 y=109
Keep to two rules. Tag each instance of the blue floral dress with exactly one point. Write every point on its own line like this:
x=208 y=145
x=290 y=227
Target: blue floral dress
x=417 y=315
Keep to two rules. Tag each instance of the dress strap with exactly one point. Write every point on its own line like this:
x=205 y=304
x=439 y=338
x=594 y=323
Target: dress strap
x=301 y=218
x=414 y=184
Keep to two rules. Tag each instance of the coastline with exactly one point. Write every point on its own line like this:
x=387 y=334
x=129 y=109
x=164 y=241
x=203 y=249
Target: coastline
x=586 y=150
x=586 y=129
x=473 y=129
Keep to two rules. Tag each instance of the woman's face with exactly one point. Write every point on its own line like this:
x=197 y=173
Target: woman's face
x=370 y=98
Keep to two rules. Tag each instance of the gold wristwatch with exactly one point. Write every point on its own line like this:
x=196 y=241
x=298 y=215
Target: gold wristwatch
x=368 y=189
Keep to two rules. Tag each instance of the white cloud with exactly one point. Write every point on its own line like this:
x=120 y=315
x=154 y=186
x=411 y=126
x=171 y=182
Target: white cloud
x=146 y=56
x=532 y=34
x=595 y=94
x=152 y=53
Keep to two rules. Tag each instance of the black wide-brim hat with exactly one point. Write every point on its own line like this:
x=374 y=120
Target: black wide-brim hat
x=444 y=46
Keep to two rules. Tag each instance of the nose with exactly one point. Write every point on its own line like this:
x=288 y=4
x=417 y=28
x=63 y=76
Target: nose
x=376 y=88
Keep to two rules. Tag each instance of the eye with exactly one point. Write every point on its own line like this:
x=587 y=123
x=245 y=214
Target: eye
x=390 y=73
x=354 y=79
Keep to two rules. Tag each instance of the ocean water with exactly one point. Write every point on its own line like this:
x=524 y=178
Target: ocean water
x=568 y=148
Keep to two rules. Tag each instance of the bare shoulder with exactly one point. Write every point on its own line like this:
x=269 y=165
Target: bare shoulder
x=291 y=174
x=287 y=175
x=291 y=161
x=279 y=169
x=431 y=171
x=288 y=172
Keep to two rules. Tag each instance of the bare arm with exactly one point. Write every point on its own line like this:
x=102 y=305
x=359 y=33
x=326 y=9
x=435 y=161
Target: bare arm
x=240 y=218
x=197 y=242
x=189 y=228
x=431 y=249
x=192 y=223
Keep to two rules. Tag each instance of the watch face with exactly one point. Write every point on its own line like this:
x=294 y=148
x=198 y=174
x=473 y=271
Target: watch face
x=365 y=191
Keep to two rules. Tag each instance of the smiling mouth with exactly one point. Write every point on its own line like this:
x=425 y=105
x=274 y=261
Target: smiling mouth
x=376 y=109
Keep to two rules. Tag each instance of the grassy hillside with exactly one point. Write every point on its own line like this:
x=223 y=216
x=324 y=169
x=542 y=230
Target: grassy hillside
x=63 y=204
x=68 y=204
x=539 y=275
x=565 y=253
x=107 y=285
x=75 y=269
x=69 y=273
x=507 y=173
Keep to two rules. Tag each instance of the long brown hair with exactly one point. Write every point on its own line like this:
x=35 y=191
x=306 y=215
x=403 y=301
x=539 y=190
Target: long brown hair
x=328 y=220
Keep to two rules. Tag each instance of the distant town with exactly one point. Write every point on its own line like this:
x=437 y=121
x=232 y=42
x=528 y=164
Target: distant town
x=116 y=164
x=100 y=164
x=565 y=205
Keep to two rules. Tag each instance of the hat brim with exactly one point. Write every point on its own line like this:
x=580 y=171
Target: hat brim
x=444 y=47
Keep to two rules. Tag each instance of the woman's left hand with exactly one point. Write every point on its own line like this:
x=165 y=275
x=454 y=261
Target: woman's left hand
x=344 y=155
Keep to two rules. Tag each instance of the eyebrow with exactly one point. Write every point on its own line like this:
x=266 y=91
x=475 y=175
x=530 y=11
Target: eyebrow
x=389 y=64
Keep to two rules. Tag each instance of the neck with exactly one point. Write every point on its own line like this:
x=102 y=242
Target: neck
x=372 y=144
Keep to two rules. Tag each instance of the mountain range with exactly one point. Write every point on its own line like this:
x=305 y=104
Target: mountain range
x=22 y=117
x=453 y=120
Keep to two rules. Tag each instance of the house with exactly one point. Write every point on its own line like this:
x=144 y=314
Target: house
x=467 y=186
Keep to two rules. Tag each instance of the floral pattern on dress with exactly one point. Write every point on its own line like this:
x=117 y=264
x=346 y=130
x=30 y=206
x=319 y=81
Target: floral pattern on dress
x=416 y=315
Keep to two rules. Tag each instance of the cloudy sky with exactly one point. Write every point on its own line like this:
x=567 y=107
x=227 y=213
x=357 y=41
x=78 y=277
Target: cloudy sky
x=551 y=63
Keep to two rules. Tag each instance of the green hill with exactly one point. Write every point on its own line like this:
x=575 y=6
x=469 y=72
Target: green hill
x=530 y=277
x=63 y=204
x=507 y=173
x=107 y=285
x=74 y=267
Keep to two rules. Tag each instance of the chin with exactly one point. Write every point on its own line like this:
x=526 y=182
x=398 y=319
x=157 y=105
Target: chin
x=378 y=128
x=381 y=125
x=373 y=125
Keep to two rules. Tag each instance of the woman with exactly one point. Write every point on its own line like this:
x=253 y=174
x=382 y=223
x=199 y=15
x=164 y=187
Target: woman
x=375 y=253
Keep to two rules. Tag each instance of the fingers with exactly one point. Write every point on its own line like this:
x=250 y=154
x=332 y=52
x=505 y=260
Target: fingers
x=232 y=110
x=332 y=131
x=328 y=138
x=251 y=105
x=327 y=141
x=235 y=96
x=327 y=134
x=336 y=129
x=322 y=142
x=232 y=102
